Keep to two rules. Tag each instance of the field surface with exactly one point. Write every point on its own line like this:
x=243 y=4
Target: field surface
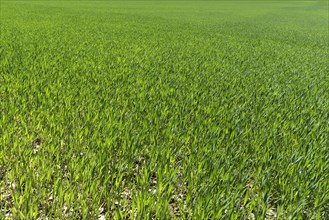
x=164 y=110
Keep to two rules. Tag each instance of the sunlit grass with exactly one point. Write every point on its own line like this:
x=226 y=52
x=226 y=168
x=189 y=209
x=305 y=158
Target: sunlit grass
x=164 y=110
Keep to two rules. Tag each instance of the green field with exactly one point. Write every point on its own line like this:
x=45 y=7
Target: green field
x=164 y=110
